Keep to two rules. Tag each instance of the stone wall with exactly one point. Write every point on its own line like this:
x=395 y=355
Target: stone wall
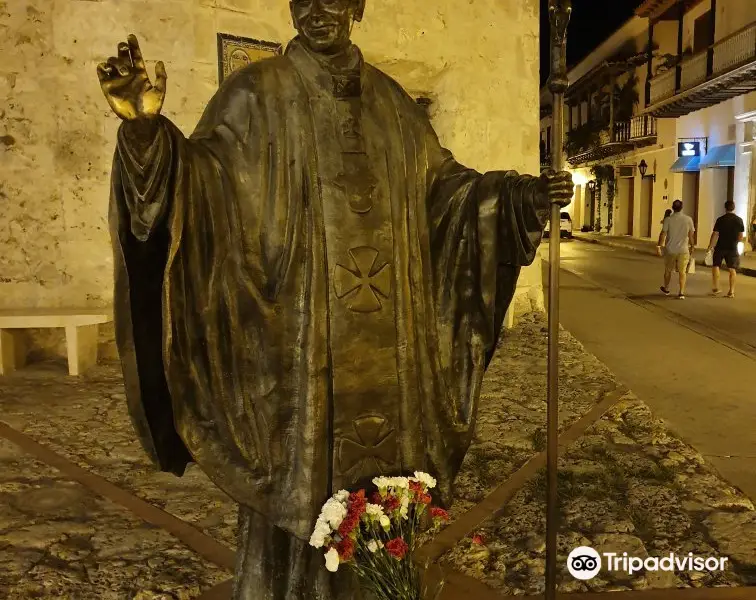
x=477 y=60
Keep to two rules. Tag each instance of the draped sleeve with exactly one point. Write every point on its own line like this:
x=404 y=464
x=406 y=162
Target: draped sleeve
x=153 y=183
x=484 y=227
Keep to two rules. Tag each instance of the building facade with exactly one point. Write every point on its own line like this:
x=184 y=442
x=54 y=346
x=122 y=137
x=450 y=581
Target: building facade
x=664 y=109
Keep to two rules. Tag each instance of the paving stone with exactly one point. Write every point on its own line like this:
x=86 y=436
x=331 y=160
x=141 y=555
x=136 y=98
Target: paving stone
x=60 y=541
x=86 y=421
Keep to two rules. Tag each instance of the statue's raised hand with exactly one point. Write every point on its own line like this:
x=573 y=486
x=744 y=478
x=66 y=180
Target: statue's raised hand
x=126 y=85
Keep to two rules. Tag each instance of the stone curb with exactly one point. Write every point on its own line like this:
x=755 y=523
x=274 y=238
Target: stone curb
x=650 y=250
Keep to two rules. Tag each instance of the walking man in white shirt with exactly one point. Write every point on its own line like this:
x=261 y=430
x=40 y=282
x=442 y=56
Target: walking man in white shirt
x=677 y=239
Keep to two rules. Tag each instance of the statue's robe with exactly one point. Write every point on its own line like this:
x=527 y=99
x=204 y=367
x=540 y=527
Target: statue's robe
x=308 y=292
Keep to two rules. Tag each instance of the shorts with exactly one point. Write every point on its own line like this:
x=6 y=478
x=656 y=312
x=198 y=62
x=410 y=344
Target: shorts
x=676 y=262
x=731 y=259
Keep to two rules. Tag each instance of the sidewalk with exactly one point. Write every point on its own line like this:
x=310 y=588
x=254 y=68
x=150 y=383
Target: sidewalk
x=747 y=261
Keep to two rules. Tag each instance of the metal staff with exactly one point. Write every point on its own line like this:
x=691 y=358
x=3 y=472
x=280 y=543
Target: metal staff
x=559 y=15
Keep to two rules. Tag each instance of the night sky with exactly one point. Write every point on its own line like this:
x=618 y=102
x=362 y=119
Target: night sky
x=591 y=23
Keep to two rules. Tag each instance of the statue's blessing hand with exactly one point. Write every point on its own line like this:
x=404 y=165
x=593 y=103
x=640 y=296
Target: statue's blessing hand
x=560 y=188
x=126 y=85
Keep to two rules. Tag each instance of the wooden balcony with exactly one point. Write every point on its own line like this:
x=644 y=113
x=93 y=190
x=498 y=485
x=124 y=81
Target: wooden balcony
x=725 y=70
x=623 y=137
x=662 y=86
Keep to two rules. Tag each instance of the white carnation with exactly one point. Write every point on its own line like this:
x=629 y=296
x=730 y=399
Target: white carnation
x=332 y=560
x=333 y=512
x=382 y=483
x=404 y=509
x=373 y=546
x=341 y=496
x=400 y=483
x=321 y=532
x=385 y=522
x=426 y=479
x=374 y=510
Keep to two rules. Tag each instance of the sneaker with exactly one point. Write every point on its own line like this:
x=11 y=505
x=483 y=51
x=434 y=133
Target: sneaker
x=664 y=290
x=715 y=292
x=681 y=297
x=730 y=294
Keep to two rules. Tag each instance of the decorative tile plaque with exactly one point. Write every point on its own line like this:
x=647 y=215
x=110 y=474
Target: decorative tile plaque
x=235 y=52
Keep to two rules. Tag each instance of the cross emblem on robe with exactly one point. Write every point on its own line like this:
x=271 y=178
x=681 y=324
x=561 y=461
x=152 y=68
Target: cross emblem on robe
x=375 y=440
x=366 y=283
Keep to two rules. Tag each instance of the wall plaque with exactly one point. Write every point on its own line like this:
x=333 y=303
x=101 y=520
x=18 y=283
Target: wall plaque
x=235 y=52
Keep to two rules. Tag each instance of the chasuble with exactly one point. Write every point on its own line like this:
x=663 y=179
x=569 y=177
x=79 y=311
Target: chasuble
x=309 y=288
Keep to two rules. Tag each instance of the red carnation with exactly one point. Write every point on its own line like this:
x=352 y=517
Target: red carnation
x=416 y=487
x=348 y=525
x=391 y=503
x=376 y=498
x=397 y=548
x=356 y=509
x=478 y=540
x=424 y=499
x=439 y=513
x=345 y=548
x=357 y=503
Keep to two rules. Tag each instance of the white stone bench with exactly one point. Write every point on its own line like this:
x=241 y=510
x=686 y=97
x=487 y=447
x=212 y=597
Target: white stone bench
x=81 y=327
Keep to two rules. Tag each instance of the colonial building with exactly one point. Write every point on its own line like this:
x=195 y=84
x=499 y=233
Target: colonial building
x=664 y=109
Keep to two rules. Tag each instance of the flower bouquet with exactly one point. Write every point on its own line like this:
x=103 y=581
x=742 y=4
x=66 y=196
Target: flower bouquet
x=376 y=538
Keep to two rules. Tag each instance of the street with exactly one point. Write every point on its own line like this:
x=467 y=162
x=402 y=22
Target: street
x=692 y=361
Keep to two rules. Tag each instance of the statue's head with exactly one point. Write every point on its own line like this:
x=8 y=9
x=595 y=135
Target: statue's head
x=325 y=25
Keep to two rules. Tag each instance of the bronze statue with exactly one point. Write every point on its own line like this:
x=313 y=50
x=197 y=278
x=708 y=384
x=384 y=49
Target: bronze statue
x=308 y=289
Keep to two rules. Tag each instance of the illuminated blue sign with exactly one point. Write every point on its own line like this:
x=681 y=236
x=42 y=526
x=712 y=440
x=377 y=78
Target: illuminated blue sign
x=688 y=149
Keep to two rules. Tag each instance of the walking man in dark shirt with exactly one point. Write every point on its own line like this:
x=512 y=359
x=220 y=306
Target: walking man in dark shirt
x=729 y=231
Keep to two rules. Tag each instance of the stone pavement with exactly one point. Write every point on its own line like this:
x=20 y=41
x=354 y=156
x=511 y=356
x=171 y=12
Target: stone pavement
x=747 y=261
x=628 y=480
x=628 y=485
x=59 y=541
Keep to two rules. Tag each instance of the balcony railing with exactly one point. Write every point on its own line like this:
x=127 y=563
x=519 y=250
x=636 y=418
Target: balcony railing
x=638 y=131
x=735 y=50
x=663 y=86
x=694 y=70
x=728 y=54
x=639 y=127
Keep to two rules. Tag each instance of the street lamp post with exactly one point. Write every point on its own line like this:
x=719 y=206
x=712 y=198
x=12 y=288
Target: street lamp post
x=559 y=16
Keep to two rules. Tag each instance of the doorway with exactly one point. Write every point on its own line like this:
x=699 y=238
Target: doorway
x=646 y=207
x=690 y=189
x=724 y=188
x=589 y=216
x=631 y=206
x=577 y=206
x=625 y=206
